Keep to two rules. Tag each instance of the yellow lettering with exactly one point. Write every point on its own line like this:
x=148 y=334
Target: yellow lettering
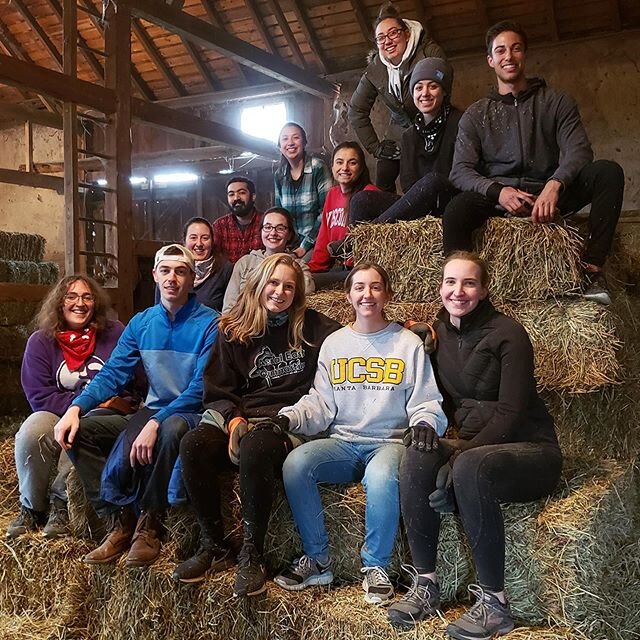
x=393 y=371
x=351 y=371
x=338 y=370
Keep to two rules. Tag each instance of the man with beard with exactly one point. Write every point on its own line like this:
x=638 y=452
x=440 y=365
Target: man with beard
x=238 y=233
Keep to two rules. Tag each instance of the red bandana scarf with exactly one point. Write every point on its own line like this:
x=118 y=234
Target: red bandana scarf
x=77 y=346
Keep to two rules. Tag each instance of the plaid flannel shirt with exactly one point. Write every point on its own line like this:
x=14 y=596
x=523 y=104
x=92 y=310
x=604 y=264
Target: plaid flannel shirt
x=306 y=202
x=236 y=240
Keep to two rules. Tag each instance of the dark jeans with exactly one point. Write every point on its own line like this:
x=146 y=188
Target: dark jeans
x=428 y=196
x=203 y=452
x=483 y=478
x=93 y=448
x=386 y=173
x=600 y=183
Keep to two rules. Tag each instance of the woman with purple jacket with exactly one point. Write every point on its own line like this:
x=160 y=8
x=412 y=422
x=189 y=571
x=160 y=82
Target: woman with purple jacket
x=73 y=340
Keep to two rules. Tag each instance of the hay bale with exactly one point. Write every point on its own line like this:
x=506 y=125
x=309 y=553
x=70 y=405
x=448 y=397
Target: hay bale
x=12 y=342
x=21 y=246
x=28 y=272
x=574 y=341
x=15 y=312
x=8 y=475
x=527 y=261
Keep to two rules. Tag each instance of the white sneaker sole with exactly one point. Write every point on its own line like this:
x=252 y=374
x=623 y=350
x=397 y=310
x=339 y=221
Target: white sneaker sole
x=321 y=580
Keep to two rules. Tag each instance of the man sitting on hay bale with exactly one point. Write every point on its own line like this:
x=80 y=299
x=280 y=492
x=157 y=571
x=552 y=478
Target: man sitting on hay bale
x=172 y=340
x=523 y=151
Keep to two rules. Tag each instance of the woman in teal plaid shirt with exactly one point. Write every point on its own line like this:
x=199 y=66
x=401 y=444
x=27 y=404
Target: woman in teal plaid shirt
x=301 y=186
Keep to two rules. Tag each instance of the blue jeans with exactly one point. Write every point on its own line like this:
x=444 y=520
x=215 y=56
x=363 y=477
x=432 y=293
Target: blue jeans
x=334 y=461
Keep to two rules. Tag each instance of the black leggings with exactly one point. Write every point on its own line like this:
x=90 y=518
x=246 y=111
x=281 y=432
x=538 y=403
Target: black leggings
x=204 y=454
x=428 y=196
x=483 y=478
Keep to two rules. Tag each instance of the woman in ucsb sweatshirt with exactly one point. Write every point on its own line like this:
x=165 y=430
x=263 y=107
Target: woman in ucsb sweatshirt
x=264 y=359
x=374 y=380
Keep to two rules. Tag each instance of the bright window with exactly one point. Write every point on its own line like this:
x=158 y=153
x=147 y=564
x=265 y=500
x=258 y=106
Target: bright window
x=264 y=121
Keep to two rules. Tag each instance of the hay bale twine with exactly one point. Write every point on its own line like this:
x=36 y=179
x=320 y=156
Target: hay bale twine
x=27 y=247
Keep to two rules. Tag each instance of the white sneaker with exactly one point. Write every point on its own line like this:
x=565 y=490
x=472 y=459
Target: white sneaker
x=377 y=586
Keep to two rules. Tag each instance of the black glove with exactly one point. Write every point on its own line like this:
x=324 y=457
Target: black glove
x=472 y=416
x=387 y=150
x=443 y=499
x=425 y=332
x=277 y=424
x=421 y=436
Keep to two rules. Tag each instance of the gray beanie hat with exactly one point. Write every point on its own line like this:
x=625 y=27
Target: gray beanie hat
x=435 y=69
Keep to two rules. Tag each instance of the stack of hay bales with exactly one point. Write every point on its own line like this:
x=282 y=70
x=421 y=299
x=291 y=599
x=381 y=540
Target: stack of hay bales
x=21 y=262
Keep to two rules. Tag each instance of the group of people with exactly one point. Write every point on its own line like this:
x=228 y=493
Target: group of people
x=452 y=421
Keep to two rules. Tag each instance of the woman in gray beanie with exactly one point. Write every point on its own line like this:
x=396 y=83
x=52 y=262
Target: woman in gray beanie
x=427 y=152
x=401 y=44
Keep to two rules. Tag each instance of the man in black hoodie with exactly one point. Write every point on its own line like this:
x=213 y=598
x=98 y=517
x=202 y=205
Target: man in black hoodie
x=524 y=151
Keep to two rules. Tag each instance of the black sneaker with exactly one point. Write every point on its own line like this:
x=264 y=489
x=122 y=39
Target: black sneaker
x=251 y=578
x=420 y=602
x=594 y=287
x=377 y=586
x=27 y=520
x=304 y=572
x=207 y=559
x=58 y=522
x=341 y=249
x=486 y=618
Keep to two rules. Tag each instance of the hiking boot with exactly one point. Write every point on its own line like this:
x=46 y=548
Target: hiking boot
x=209 y=558
x=58 y=522
x=377 y=586
x=146 y=543
x=27 y=520
x=117 y=541
x=486 y=618
x=420 y=602
x=594 y=287
x=251 y=578
x=304 y=572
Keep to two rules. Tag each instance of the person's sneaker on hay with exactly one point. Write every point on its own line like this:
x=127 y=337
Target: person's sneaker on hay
x=486 y=618
x=594 y=287
x=251 y=577
x=209 y=558
x=376 y=585
x=305 y=572
x=58 y=521
x=27 y=521
x=420 y=602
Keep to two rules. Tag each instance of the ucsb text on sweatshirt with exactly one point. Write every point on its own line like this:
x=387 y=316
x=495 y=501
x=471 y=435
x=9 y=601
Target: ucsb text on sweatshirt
x=369 y=387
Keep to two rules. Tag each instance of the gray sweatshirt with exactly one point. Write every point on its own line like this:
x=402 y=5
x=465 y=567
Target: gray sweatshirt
x=246 y=266
x=369 y=387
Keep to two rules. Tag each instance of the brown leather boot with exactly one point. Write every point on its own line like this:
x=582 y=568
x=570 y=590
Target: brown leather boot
x=145 y=546
x=117 y=541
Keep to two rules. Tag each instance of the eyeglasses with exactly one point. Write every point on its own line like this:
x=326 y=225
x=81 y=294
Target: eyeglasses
x=280 y=228
x=73 y=297
x=392 y=34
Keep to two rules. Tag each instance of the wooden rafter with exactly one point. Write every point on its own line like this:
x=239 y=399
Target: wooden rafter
x=362 y=19
x=421 y=14
x=228 y=95
x=200 y=64
x=552 y=23
x=309 y=34
x=258 y=21
x=141 y=85
x=36 y=116
x=483 y=14
x=152 y=51
x=85 y=50
x=616 y=14
x=40 y=33
x=202 y=33
x=274 y=5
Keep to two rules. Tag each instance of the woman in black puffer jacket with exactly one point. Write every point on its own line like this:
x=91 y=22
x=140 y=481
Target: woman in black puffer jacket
x=506 y=450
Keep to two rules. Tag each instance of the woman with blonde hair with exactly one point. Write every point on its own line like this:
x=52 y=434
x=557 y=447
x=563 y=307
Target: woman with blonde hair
x=73 y=340
x=264 y=359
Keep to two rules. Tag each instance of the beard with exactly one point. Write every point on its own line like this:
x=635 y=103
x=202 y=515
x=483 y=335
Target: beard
x=241 y=209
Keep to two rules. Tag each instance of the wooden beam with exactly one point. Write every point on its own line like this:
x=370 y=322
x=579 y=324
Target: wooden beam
x=28 y=146
x=616 y=14
x=26 y=179
x=201 y=66
x=421 y=14
x=141 y=85
x=210 y=37
x=40 y=33
x=229 y=95
x=552 y=23
x=156 y=58
x=362 y=19
x=35 y=116
x=483 y=14
x=20 y=292
x=305 y=25
x=287 y=33
x=56 y=84
x=258 y=20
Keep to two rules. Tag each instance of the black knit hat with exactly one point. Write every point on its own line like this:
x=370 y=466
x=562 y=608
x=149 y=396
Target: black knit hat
x=435 y=69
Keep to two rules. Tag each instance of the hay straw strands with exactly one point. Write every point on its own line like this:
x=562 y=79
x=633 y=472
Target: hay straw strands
x=527 y=261
x=14 y=312
x=21 y=246
x=574 y=341
x=28 y=272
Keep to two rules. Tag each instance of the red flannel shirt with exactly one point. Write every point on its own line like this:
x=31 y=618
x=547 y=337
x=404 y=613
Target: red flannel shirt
x=237 y=240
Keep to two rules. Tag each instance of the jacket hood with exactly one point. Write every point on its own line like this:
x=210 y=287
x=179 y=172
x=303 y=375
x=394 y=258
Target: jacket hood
x=533 y=85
